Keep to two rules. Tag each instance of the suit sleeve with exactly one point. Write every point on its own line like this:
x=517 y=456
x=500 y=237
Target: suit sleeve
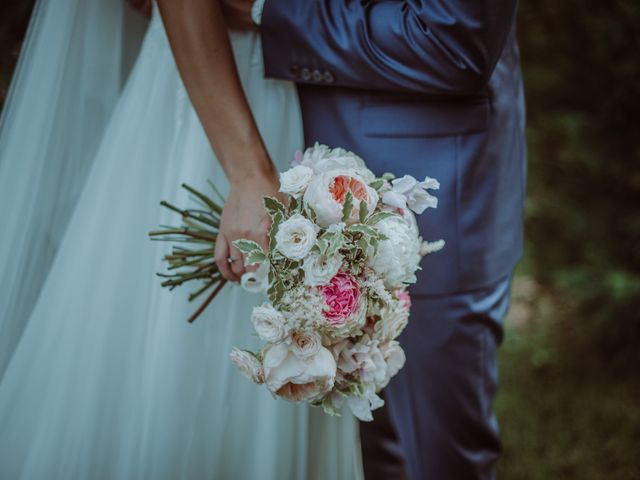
x=428 y=46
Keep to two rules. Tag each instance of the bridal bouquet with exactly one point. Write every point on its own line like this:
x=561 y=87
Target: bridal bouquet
x=342 y=251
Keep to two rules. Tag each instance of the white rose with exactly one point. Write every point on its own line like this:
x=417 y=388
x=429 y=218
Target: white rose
x=319 y=269
x=398 y=257
x=327 y=192
x=269 y=323
x=305 y=344
x=248 y=365
x=295 y=180
x=296 y=379
x=296 y=236
x=394 y=357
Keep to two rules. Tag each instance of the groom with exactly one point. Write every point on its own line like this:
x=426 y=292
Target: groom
x=423 y=87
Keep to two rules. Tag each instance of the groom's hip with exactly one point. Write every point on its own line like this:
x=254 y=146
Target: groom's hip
x=440 y=404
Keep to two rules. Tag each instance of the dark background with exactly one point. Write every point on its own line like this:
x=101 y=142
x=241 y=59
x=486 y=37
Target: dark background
x=569 y=406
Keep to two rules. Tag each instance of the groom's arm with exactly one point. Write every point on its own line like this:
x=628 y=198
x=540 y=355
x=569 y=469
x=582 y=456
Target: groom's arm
x=428 y=46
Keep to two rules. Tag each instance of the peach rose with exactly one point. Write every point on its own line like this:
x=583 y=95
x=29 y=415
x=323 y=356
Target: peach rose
x=327 y=193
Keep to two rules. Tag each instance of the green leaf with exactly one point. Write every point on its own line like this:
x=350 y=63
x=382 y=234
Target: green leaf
x=348 y=207
x=273 y=230
x=276 y=291
x=255 y=257
x=364 y=211
x=377 y=184
x=311 y=213
x=247 y=246
x=376 y=217
x=274 y=206
x=337 y=242
x=323 y=244
x=364 y=229
x=293 y=204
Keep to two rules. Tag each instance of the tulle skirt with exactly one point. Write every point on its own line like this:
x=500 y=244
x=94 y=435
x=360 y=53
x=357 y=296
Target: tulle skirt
x=108 y=380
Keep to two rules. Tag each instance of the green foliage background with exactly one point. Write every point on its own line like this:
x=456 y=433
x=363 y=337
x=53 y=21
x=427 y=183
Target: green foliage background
x=582 y=77
x=568 y=405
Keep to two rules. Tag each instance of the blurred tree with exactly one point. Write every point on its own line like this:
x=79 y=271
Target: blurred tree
x=582 y=78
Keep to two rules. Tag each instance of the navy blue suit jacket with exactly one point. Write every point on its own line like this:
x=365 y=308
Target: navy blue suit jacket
x=424 y=87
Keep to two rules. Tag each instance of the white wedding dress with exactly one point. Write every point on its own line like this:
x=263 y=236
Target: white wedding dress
x=107 y=380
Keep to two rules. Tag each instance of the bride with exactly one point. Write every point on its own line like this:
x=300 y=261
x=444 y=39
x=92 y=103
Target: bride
x=100 y=376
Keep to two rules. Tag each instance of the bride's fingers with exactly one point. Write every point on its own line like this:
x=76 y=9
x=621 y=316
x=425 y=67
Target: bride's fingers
x=222 y=258
x=236 y=261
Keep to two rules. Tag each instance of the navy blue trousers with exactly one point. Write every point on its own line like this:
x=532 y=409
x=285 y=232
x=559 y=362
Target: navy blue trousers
x=438 y=421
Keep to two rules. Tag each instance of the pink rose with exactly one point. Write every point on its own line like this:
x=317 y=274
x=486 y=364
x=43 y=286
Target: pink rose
x=342 y=296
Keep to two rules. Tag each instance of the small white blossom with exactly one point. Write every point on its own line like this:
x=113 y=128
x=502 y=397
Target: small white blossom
x=296 y=237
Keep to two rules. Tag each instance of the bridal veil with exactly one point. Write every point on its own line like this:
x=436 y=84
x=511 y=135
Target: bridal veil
x=74 y=62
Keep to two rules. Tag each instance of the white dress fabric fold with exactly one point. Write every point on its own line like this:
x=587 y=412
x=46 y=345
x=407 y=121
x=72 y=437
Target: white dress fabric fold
x=108 y=380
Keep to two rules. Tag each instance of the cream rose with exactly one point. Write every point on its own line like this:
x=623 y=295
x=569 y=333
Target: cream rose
x=327 y=193
x=297 y=379
x=248 y=365
x=305 y=345
x=295 y=180
x=319 y=270
x=296 y=236
x=269 y=323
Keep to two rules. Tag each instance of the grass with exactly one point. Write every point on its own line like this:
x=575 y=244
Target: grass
x=565 y=413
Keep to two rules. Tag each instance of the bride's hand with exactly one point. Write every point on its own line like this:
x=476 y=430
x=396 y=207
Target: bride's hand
x=244 y=216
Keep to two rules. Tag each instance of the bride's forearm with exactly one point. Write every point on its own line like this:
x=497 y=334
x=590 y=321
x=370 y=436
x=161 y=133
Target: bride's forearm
x=200 y=43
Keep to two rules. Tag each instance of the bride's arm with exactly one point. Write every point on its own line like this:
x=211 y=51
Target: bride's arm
x=200 y=43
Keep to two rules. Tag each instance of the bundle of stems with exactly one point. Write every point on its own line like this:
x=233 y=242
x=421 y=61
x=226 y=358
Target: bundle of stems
x=191 y=260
